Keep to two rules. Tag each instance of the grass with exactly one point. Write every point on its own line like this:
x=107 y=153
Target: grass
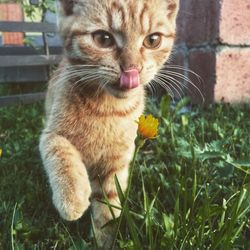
x=191 y=192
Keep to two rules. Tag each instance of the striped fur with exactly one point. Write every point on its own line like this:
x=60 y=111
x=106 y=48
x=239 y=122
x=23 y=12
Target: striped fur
x=90 y=124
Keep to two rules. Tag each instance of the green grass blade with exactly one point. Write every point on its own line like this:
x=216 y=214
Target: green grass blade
x=120 y=193
x=94 y=233
x=12 y=227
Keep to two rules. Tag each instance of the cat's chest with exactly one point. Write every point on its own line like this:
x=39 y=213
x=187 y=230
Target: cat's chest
x=100 y=130
x=95 y=137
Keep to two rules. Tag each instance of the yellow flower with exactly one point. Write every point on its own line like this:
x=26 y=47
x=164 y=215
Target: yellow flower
x=148 y=126
x=1 y=152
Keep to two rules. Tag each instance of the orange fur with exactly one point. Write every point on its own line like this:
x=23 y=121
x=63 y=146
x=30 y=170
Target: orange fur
x=90 y=123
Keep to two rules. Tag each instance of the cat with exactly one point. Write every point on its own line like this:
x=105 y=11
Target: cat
x=112 y=50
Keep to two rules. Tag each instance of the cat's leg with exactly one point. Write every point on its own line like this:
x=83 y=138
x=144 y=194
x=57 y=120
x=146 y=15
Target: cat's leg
x=67 y=176
x=101 y=212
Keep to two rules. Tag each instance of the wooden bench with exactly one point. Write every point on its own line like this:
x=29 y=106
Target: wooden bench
x=27 y=64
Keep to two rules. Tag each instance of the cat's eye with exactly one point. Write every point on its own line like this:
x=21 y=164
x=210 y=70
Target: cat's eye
x=103 y=39
x=153 y=41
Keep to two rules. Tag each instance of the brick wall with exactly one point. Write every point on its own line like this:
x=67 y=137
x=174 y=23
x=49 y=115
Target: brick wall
x=213 y=40
x=11 y=12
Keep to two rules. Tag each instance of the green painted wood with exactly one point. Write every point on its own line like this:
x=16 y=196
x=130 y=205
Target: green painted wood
x=21 y=99
x=8 y=26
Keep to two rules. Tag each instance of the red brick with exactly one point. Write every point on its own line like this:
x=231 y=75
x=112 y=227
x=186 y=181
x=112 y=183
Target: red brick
x=3 y=11
x=11 y=12
x=233 y=75
x=202 y=62
x=198 y=22
x=235 y=22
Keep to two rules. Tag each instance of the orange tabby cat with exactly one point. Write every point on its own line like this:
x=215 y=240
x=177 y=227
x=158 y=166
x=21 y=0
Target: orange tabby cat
x=113 y=48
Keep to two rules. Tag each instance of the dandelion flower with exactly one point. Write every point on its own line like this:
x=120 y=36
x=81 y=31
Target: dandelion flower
x=148 y=126
x=1 y=152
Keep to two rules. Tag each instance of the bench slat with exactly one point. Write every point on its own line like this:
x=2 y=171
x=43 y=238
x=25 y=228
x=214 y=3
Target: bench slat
x=21 y=99
x=31 y=60
x=6 y=26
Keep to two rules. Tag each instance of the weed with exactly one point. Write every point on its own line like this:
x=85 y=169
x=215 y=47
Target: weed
x=192 y=184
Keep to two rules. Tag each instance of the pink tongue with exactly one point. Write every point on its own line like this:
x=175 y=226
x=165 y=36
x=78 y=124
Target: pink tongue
x=130 y=79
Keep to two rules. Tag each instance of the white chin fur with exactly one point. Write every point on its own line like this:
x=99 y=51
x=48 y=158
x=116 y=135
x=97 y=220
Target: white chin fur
x=120 y=93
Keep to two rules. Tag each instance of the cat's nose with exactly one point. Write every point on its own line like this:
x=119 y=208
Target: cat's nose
x=130 y=67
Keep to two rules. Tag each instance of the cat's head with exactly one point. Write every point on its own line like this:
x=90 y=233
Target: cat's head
x=120 y=43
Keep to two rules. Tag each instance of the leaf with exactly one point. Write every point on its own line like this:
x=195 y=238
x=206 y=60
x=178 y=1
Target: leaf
x=165 y=106
x=210 y=155
x=80 y=245
x=181 y=104
x=225 y=169
x=243 y=165
x=119 y=191
x=169 y=225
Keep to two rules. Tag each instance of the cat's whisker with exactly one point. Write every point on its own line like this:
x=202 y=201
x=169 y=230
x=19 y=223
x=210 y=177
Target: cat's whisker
x=84 y=81
x=68 y=76
x=107 y=74
x=185 y=78
x=69 y=73
x=86 y=78
x=179 y=75
x=163 y=85
x=182 y=84
x=98 y=90
x=174 y=81
x=89 y=75
x=109 y=69
x=150 y=87
x=171 y=70
x=102 y=85
x=182 y=68
x=170 y=85
x=75 y=66
x=79 y=66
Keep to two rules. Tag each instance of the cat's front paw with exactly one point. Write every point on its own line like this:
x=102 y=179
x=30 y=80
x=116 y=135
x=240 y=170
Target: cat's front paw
x=72 y=200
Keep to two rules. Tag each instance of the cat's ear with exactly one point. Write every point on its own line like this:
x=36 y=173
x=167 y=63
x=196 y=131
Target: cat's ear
x=68 y=6
x=172 y=9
